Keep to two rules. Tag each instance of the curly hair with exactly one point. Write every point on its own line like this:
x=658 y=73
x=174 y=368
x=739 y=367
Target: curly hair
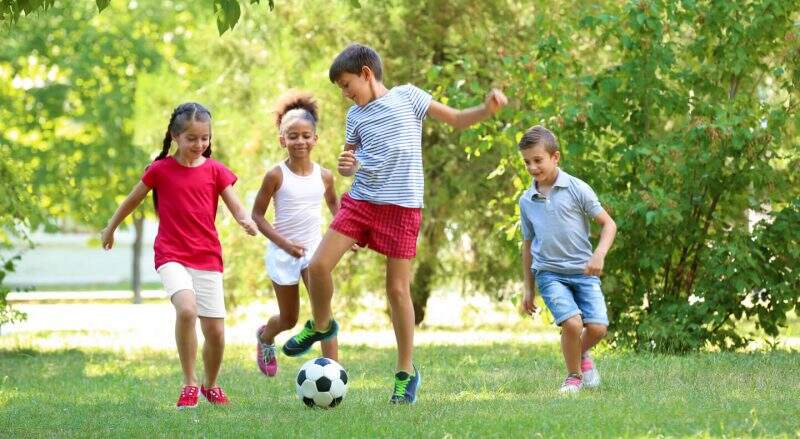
x=296 y=104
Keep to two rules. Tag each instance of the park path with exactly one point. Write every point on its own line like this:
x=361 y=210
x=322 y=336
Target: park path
x=150 y=325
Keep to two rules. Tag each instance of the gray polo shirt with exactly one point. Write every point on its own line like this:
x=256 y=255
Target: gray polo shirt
x=558 y=225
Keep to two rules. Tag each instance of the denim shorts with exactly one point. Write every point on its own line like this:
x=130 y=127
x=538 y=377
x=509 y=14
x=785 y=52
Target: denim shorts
x=568 y=295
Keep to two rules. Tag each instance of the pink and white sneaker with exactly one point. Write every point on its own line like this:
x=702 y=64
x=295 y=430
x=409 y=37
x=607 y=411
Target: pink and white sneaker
x=572 y=384
x=591 y=377
x=214 y=395
x=188 y=397
x=266 y=355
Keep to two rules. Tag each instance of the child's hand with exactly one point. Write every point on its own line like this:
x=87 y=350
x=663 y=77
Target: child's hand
x=528 y=305
x=293 y=249
x=595 y=265
x=495 y=100
x=107 y=237
x=347 y=163
x=248 y=225
x=354 y=248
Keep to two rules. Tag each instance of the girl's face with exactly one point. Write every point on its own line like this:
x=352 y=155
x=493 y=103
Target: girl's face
x=299 y=138
x=194 y=140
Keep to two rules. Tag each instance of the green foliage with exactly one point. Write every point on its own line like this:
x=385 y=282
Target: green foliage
x=683 y=123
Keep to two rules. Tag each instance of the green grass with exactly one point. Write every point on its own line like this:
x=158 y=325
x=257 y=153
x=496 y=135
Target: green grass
x=503 y=390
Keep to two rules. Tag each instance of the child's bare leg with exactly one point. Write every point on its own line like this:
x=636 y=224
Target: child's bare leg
x=398 y=290
x=571 y=343
x=330 y=347
x=288 y=309
x=333 y=246
x=214 y=346
x=592 y=334
x=185 y=335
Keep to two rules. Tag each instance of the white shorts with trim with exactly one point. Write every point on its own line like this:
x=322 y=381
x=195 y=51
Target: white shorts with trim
x=206 y=285
x=285 y=269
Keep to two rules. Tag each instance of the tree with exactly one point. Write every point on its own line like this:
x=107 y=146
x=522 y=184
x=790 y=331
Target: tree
x=684 y=122
x=227 y=12
x=70 y=109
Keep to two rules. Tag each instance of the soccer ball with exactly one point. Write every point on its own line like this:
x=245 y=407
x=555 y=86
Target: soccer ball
x=321 y=382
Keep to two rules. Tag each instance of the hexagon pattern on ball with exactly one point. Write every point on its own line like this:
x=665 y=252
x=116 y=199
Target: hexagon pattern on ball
x=321 y=382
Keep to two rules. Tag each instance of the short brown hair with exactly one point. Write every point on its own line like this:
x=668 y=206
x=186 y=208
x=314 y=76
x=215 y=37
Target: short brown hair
x=539 y=135
x=353 y=58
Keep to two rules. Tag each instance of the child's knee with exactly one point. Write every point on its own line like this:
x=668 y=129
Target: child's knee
x=598 y=331
x=573 y=324
x=317 y=267
x=186 y=312
x=214 y=333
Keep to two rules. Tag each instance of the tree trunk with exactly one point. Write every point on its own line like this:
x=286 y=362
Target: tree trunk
x=136 y=275
x=422 y=285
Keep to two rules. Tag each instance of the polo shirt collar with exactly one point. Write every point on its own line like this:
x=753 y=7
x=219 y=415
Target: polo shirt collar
x=562 y=180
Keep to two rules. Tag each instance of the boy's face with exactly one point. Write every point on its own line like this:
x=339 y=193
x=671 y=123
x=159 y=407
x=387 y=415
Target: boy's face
x=540 y=164
x=356 y=87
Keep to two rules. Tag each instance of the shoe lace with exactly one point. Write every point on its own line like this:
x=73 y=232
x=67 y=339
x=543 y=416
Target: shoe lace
x=267 y=351
x=400 y=386
x=305 y=333
x=572 y=380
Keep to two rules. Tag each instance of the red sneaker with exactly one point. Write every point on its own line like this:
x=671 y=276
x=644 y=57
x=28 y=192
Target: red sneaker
x=188 y=398
x=214 y=395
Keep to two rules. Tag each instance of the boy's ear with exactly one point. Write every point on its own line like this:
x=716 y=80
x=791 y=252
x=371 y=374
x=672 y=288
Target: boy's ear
x=367 y=72
x=557 y=156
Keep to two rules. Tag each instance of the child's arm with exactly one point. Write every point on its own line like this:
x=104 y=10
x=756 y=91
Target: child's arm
x=494 y=101
x=607 y=234
x=269 y=185
x=236 y=208
x=348 y=165
x=530 y=283
x=331 y=199
x=128 y=205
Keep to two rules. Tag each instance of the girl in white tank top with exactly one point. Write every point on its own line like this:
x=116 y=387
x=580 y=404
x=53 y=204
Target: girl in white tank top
x=298 y=186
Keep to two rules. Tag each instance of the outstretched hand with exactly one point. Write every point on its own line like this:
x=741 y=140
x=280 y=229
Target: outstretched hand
x=495 y=100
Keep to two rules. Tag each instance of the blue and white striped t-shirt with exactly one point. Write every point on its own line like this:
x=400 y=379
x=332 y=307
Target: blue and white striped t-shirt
x=387 y=133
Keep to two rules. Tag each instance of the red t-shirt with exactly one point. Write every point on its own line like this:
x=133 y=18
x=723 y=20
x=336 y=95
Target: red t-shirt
x=187 y=208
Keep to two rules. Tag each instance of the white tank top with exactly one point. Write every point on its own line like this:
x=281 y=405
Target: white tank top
x=297 y=206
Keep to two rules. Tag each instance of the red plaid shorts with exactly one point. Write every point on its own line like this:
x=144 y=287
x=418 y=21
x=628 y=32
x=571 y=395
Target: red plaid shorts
x=388 y=229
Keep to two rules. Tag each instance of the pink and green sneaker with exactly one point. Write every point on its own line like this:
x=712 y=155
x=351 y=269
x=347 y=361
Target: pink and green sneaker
x=266 y=355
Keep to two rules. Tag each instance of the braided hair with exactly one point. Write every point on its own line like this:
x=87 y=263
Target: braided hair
x=295 y=105
x=178 y=121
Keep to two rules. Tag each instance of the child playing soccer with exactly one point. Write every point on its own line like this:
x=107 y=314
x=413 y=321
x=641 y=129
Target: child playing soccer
x=188 y=256
x=298 y=186
x=383 y=148
x=557 y=254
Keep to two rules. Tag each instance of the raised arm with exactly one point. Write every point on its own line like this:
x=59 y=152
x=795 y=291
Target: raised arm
x=495 y=100
x=128 y=205
x=237 y=210
x=607 y=233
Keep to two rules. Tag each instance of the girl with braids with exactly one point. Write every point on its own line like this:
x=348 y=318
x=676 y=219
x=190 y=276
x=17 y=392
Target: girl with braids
x=298 y=185
x=188 y=255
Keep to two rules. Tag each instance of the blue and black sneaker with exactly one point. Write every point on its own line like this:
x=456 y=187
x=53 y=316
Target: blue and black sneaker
x=406 y=387
x=302 y=342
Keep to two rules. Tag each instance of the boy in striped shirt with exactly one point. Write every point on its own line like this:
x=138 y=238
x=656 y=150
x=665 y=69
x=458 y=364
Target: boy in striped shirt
x=382 y=211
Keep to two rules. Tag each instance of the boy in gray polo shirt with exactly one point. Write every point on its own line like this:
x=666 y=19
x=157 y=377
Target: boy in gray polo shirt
x=557 y=254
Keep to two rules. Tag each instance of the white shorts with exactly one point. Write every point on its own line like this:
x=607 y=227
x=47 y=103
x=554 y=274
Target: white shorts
x=206 y=285
x=285 y=269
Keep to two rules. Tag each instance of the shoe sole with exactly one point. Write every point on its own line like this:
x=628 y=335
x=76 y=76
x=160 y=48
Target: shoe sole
x=184 y=407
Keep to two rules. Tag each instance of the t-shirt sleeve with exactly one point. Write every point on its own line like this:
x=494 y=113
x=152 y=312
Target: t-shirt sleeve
x=350 y=135
x=420 y=100
x=224 y=177
x=525 y=223
x=588 y=199
x=151 y=175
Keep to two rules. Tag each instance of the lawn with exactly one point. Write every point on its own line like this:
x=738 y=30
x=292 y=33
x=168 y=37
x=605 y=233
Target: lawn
x=490 y=390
